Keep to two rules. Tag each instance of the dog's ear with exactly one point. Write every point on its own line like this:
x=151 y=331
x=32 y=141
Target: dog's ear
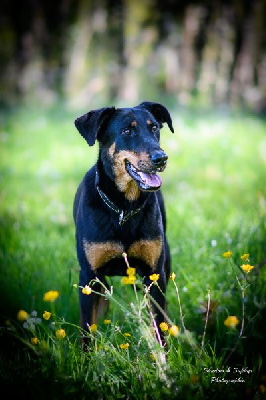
x=160 y=113
x=90 y=124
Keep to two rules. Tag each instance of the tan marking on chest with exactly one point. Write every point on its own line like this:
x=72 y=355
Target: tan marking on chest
x=148 y=251
x=99 y=253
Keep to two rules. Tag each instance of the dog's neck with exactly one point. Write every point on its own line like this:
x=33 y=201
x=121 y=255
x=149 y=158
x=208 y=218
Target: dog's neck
x=107 y=185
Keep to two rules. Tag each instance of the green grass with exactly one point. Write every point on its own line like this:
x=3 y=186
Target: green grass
x=214 y=189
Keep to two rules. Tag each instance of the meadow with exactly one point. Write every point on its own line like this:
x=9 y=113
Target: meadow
x=214 y=189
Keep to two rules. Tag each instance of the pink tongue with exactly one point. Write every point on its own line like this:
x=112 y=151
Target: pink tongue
x=152 y=180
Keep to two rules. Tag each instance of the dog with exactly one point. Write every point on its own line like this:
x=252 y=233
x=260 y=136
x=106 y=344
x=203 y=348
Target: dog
x=118 y=207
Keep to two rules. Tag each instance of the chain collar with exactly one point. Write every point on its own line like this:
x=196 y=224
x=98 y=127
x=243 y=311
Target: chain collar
x=123 y=214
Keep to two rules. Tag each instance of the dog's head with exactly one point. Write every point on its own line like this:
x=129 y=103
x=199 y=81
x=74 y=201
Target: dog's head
x=129 y=141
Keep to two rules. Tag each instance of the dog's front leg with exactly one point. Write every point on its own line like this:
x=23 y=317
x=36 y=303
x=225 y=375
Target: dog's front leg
x=86 y=299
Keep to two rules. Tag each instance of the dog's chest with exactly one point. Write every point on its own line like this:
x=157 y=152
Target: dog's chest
x=99 y=254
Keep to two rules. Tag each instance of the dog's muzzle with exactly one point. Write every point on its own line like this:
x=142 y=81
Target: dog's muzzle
x=146 y=174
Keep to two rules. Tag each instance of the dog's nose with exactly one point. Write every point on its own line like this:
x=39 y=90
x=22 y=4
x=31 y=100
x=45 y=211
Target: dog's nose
x=159 y=158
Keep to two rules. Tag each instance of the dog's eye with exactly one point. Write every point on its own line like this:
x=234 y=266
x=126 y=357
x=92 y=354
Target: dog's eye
x=154 y=128
x=126 y=131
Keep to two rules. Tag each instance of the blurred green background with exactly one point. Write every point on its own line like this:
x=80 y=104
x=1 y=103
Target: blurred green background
x=206 y=62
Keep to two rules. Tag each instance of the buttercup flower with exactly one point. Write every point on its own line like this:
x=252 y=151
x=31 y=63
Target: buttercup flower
x=132 y=279
x=60 y=334
x=51 y=296
x=93 y=327
x=22 y=315
x=174 y=330
x=46 y=315
x=154 y=277
x=124 y=280
x=34 y=341
x=172 y=276
x=231 y=321
x=131 y=271
x=247 y=268
x=163 y=326
x=245 y=257
x=127 y=334
x=227 y=254
x=86 y=290
x=124 y=346
x=107 y=321
x=129 y=280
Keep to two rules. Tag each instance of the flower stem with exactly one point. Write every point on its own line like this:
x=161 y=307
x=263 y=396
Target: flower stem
x=243 y=311
x=206 y=320
x=180 y=308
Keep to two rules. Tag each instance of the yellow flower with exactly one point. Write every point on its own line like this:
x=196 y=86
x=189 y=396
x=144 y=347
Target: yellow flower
x=93 y=327
x=227 y=254
x=124 y=280
x=86 y=290
x=154 y=277
x=174 y=330
x=163 y=326
x=245 y=257
x=22 y=315
x=60 y=334
x=34 y=341
x=131 y=271
x=247 y=268
x=132 y=279
x=46 y=315
x=51 y=296
x=124 y=346
x=107 y=321
x=128 y=280
x=127 y=334
x=172 y=276
x=231 y=321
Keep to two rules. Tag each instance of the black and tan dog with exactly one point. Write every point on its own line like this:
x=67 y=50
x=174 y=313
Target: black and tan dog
x=118 y=206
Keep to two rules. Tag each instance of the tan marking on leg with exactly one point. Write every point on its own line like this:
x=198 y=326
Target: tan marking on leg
x=148 y=251
x=99 y=253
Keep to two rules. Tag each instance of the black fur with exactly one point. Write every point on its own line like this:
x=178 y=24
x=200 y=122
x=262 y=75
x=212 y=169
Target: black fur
x=120 y=132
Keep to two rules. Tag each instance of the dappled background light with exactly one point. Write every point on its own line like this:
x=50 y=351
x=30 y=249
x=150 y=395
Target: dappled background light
x=93 y=52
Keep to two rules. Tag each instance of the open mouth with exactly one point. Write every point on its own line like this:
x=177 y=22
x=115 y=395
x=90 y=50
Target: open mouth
x=146 y=181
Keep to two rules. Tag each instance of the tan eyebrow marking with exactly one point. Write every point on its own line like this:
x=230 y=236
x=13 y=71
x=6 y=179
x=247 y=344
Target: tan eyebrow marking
x=149 y=122
x=134 y=123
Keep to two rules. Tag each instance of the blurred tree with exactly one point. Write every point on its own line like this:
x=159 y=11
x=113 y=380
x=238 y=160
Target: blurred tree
x=95 y=51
